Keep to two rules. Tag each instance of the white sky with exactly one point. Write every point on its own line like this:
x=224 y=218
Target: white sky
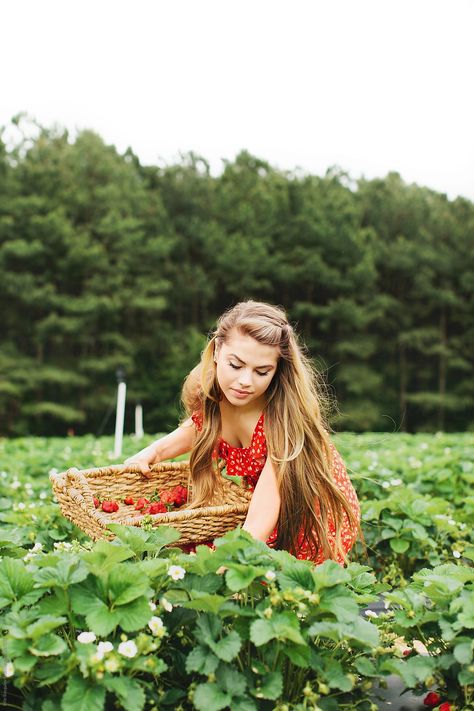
x=369 y=85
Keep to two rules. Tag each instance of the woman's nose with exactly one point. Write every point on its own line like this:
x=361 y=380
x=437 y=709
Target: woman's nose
x=245 y=379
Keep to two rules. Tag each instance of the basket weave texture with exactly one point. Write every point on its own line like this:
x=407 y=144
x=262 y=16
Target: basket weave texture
x=75 y=489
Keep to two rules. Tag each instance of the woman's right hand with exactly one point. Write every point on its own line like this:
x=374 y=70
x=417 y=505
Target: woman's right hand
x=144 y=462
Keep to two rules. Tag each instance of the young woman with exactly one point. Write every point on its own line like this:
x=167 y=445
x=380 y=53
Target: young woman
x=255 y=401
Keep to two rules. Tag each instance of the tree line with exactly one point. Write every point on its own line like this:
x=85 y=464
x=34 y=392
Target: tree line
x=108 y=263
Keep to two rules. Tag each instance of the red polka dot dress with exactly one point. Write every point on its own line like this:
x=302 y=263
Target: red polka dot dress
x=248 y=463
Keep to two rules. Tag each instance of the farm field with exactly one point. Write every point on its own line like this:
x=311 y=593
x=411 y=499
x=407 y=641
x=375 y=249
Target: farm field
x=131 y=624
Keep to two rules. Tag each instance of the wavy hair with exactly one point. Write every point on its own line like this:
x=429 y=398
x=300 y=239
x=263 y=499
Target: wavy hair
x=296 y=431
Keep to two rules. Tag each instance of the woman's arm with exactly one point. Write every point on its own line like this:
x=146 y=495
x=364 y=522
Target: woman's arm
x=178 y=442
x=264 y=508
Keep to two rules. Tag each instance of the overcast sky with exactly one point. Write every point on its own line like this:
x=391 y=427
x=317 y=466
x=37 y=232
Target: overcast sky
x=368 y=85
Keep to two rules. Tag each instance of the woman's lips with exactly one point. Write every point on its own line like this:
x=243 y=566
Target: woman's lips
x=239 y=393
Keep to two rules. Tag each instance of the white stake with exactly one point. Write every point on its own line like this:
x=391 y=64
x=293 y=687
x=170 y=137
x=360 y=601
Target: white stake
x=138 y=422
x=119 y=419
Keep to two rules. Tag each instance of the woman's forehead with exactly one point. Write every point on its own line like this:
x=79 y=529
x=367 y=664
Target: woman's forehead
x=251 y=351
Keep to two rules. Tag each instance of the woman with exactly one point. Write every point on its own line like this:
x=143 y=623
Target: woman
x=254 y=401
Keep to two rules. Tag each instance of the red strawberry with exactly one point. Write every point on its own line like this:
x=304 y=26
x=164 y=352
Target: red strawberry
x=141 y=503
x=407 y=652
x=96 y=502
x=156 y=507
x=167 y=497
x=445 y=707
x=110 y=506
x=128 y=500
x=180 y=495
x=432 y=699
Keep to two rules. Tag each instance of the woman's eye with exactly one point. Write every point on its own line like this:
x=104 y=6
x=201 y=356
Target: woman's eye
x=237 y=367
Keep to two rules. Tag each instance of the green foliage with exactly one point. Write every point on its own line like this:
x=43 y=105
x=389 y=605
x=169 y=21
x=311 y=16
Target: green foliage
x=107 y=263
x=269 y=630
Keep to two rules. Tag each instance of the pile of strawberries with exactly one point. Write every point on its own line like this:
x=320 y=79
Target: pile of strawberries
x=161 y=502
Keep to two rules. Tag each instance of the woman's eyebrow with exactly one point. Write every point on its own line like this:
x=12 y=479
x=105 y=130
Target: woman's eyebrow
x=244 y=363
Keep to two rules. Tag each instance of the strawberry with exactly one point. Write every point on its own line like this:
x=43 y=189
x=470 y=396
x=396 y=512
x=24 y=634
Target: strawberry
x=110 y=506
x=445 y=707
x=166 y=497
x=180 y=495
x=128 y=500
x=407 y=652
x=141 y=503
x=432 y=699
x=156 y=507
x=96 y=502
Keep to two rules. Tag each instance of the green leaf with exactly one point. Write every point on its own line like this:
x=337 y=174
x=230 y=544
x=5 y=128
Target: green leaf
x=299 y=654
x=129 y=692
x=205 y=602
x=101 y=620
x=48 y=645
x=261 y=632
x=125 y=585
x=271 y=686
x=105 y=556
x=463 y=652
x=240 y=576
x=208 y=697
x=230 y=680
x=51 y=672
x=44 y=625
x=228 y=647
x=135 y=615
x=296 y=574
x=399 y=545
x=328 y=574
x=201 y=660
x=365 y=667
x=282 y=626
x=83 y=695
x=66 y=572
x=243 y=703
x=15 y=581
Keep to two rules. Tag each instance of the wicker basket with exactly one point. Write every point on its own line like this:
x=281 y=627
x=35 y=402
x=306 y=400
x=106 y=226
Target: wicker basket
x=75 y=489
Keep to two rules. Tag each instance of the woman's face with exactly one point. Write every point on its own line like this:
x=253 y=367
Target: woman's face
x=245 y=368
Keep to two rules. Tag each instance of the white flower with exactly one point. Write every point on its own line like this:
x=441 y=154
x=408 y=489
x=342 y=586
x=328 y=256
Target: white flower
x=166 y=605
x=86 y=637
x=176 y=572
x=128 y=649
x=423 y=445
x=43 y=495
x=31 y=506
x=63 y=546
x=456 y=554
x=370 y=613
x=152 y=605
x=102 y=649
x=396 y=482
x=447 y=450
x=21 y=505
x=270 y=575
x=452 y=522
x=15 y=484
x=385 y=484
x=9 y=669
x=155 y=624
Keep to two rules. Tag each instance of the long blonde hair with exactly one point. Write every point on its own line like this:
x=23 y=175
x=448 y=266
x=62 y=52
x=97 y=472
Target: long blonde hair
x=295 y=429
